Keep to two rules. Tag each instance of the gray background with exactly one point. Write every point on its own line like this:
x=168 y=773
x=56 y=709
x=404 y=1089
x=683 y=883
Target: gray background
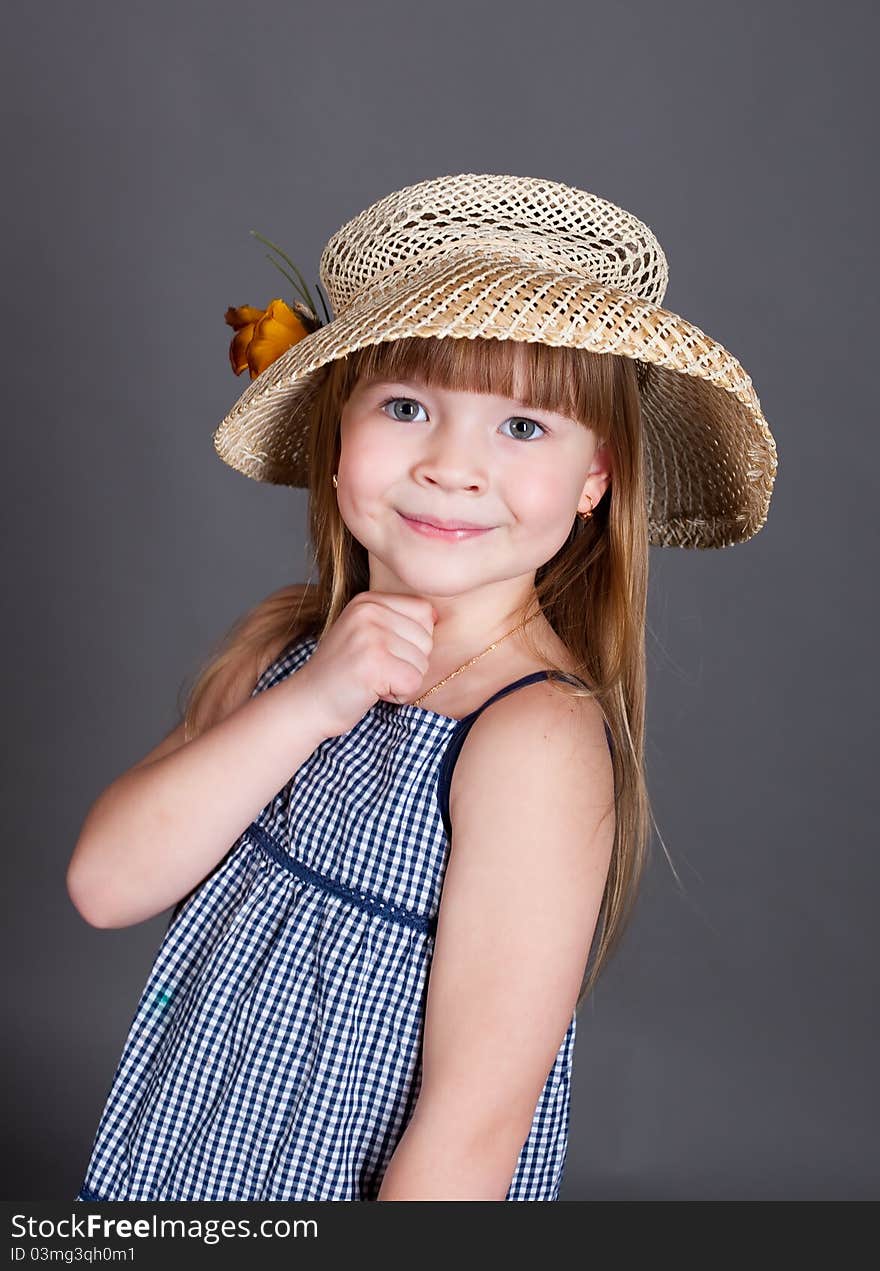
x=731 y=1049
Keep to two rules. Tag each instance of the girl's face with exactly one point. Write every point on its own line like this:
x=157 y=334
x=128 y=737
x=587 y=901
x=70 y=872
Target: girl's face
x=412 y=451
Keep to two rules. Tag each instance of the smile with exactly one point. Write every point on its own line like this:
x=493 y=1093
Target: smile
x=433 y=531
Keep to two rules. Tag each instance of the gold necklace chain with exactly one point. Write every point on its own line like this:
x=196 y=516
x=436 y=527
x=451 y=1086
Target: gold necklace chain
x=418 y=701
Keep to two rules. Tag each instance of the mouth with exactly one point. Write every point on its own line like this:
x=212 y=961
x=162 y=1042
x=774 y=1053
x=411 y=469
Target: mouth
x=453 y=531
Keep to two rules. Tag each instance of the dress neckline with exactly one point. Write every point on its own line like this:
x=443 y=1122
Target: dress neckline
x=403 y=707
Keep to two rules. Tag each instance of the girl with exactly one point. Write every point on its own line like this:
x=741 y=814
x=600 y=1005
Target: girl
x=429 y=764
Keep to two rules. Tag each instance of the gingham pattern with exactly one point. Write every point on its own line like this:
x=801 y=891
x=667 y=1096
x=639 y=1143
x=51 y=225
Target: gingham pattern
x=275 y=1051
x=528 y=259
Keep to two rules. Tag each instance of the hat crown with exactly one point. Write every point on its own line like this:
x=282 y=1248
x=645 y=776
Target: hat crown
x=545 y=223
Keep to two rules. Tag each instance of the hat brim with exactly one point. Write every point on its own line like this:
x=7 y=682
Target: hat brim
x=710 y=456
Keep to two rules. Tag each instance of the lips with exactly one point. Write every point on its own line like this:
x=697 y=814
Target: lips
x=426 y=529
x=445 y=525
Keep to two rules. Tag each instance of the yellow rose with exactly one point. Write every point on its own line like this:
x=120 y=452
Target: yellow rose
x=262 y=335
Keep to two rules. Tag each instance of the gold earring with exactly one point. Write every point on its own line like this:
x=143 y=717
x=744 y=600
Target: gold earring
x=335 y=482
x=585 y=516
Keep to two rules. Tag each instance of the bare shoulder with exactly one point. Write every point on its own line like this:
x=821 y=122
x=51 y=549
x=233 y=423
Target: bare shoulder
x=536 y=740
x=533 y=827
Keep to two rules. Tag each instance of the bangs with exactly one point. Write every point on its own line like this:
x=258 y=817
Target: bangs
x=572 y=382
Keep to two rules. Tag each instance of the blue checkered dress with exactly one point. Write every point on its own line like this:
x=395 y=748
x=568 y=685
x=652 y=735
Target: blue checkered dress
x=275 y=1051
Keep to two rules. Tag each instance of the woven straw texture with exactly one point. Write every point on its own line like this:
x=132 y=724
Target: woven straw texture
x=518 y=258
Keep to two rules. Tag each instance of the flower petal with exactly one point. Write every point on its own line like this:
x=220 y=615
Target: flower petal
x=276 y=331
x=280 y=312
x=242 y=316
x=239 y=347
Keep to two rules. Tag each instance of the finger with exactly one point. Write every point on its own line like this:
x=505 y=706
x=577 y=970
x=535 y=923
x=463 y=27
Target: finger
x=417 y=608
x=407 y=620
x=404 y=650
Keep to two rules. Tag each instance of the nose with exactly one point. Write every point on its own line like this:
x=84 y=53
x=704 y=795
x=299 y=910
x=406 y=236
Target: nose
x=452 y=461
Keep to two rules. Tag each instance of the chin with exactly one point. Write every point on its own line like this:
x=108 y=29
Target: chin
x=423 y=581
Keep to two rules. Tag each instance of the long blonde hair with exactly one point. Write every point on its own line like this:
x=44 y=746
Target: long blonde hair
x=593 y=592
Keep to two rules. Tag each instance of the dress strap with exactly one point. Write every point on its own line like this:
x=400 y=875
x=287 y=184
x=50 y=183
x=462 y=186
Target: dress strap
x=453 y=748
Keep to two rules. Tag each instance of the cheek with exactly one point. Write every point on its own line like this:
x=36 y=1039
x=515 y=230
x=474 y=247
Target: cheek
x=542 y=496
x=366 y=461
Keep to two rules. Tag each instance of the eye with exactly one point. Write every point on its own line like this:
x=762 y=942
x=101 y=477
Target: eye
x=410 y=401
x=521 y=419
x=515 y=419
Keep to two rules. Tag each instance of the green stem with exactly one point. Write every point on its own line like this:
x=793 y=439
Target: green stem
x=305 y=290
x=283 y=271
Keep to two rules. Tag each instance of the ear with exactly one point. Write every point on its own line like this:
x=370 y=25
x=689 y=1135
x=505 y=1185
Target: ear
x=598 y=478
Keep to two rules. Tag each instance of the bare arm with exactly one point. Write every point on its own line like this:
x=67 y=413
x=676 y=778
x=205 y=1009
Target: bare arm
x=439 y=1160
x=161 y=827
x=521 y=895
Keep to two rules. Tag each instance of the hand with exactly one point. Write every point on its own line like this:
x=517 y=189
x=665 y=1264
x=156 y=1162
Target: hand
x=378 y=647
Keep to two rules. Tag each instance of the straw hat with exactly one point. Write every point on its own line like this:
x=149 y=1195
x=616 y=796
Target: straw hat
x=518 y=258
